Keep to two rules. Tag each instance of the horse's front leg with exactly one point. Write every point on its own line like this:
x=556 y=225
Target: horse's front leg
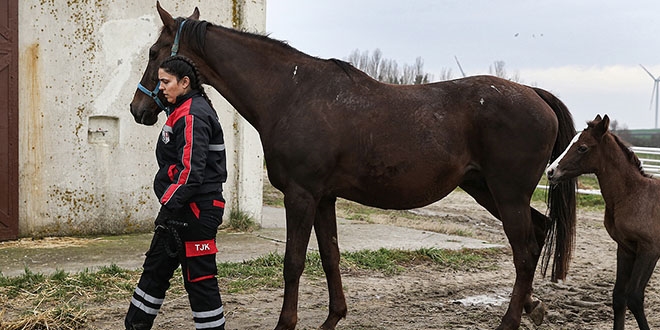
x=300 y=211
x=526 y=251
x=325 y=226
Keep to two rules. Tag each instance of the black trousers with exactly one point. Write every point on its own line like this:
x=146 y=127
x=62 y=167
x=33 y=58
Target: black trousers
x=193 y=247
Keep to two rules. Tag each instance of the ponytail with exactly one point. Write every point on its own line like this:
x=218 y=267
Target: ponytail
x=181 y=66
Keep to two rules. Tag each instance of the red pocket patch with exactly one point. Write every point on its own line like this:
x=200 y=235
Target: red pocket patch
x=201 y=248
x=195 y=209
x=219 y=204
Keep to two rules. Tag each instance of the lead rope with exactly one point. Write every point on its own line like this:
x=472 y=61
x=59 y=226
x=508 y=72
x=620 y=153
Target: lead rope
x=173 y=237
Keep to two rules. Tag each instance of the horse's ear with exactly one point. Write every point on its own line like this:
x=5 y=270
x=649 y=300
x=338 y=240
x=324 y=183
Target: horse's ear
x=598 y=118
x=167 y=19
x=195 y=14
x=602 y=126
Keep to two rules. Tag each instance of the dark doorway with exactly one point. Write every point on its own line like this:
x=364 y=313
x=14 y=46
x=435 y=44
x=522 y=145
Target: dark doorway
x=8 y=119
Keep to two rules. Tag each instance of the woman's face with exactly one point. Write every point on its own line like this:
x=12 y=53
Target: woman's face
x=171 y=86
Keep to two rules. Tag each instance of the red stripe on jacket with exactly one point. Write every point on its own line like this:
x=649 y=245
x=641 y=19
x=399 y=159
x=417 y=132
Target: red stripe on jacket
x=182 y=111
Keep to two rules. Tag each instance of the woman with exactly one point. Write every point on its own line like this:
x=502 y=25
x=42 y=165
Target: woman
x=192 y=168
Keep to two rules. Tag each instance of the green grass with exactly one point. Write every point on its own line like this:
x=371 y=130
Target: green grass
x=241 y=221
x=38 y=301
x=265 y=272
x=584 y=201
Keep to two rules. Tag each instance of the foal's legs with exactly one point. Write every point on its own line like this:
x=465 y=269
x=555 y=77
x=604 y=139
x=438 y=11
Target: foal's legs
x=300 y=211
x=624 y=266
x=640 y=268
x=325 y=226
x=642 y=271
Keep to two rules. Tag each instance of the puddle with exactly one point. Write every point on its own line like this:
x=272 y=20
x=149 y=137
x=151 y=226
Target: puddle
x=493 y=300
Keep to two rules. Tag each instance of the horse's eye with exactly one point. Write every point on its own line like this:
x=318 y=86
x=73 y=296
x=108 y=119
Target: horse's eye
x=582 y=149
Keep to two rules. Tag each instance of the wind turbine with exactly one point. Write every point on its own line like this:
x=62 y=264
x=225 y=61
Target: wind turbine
x=655 y=94
x=459 y=66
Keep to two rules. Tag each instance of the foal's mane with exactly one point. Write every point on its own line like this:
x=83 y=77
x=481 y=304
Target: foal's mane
x=630 y=154
x=194 y=32
x=632 y=158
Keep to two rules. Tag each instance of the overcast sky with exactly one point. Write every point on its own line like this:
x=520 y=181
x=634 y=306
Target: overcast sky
x=586 y=52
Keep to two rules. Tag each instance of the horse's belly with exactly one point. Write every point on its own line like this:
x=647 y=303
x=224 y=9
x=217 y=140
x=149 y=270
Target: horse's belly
x=404 y=192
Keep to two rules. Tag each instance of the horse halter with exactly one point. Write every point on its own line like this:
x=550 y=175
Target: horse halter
x=154 y=94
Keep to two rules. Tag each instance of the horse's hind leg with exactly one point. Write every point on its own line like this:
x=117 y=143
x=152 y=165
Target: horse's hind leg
x=479 y=191
x=300 y=210
x=516 y=216
x=517 y=225
x=536 y=309
x=325 y=226
x=639 y=278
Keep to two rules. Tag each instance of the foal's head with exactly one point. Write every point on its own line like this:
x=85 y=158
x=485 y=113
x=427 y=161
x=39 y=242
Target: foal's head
x=583 y=155
x=148 y=101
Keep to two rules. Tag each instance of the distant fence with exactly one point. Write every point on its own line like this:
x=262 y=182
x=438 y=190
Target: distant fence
x=650 y=158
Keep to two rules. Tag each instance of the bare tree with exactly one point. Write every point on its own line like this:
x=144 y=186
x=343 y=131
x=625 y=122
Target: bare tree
x=446 y=74
x=388 y=70
x=497 y=69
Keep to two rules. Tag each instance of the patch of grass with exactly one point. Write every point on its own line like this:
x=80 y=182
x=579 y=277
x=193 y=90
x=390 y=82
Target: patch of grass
x=252 y=275
x=588 y=181
x=459 y=232
x=355 y=211
x=241 y=221
x=27 y=282
x=591 y=202
x=57 y=301
x=65 y=317
x=389 y=262
x=464 y=259
x=584 y=201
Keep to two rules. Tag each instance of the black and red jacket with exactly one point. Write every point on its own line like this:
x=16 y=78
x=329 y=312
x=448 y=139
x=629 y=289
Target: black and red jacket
x=190 y=153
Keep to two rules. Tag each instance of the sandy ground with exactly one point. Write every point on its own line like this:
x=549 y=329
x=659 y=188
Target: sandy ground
x=428 y=298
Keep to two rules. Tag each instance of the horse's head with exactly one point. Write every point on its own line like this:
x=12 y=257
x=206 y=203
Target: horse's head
x=583 y=153
x=148 y=101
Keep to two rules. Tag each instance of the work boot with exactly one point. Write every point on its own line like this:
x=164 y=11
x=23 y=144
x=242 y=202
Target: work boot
x=139 y=326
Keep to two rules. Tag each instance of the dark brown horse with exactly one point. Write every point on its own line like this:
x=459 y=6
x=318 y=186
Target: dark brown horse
x=632 y=210
x=328 y=130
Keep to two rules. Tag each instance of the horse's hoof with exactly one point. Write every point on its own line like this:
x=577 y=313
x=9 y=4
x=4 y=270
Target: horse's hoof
x=538 y=313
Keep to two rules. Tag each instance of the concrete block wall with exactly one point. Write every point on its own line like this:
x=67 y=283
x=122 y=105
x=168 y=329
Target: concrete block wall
x=85 y=166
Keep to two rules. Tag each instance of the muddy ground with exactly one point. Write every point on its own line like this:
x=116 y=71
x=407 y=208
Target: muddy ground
x=426 y=298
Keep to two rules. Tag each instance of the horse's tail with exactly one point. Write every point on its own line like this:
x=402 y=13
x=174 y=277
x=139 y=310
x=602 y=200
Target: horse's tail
x=560 y=235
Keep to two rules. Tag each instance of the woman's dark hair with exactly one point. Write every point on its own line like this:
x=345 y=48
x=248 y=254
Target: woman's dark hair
x=181 y=66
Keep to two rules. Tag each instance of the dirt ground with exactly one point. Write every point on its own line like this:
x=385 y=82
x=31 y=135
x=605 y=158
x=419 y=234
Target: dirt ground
x=426 y=298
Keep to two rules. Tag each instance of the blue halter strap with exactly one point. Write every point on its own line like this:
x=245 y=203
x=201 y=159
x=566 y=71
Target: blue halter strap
x=154 y=94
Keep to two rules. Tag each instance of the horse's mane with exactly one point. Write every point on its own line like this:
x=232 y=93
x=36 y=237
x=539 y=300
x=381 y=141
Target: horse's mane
x=194 y=31
x=348 y=68
x=632 y=157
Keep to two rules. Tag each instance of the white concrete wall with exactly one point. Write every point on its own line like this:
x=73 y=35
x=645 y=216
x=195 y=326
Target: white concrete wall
x=85 y=165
